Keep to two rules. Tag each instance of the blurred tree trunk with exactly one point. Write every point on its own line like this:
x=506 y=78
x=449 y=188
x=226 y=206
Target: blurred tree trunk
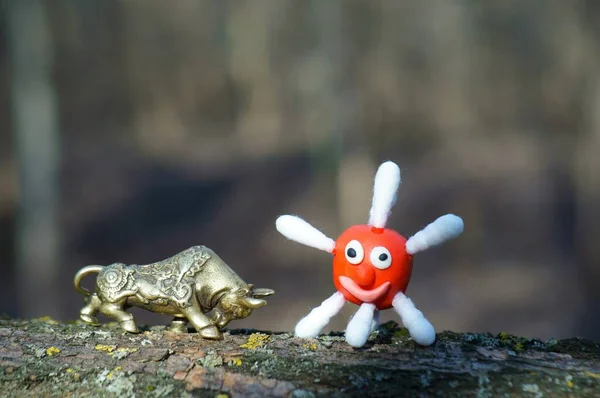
x=586 y=166
x=35 y=124
x=327 y=87
x=248 y=61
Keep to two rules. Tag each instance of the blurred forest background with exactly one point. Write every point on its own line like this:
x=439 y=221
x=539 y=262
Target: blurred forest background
x=132 y=130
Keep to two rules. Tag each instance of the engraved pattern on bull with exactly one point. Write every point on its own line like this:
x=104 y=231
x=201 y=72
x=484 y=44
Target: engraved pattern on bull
x=187 y=286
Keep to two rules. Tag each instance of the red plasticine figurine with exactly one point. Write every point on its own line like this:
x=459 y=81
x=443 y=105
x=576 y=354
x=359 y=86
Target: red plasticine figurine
x=371 y=265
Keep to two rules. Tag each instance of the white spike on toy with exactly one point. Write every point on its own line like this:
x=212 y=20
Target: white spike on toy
x=376 y=320
x=359 y=327
x=419 y=328
x=387 y=181
x=444 y=228
x=312 y=324
x=298 y=230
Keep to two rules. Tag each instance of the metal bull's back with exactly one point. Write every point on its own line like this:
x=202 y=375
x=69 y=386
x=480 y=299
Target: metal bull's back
x=187 y=286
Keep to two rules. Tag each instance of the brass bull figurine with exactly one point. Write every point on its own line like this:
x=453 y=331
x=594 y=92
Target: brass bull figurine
x=186 y=286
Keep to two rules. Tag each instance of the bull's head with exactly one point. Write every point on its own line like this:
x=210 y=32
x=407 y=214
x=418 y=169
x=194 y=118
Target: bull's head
x=239 y=304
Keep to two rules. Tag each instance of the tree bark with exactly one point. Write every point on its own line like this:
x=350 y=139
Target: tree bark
x=45 y=358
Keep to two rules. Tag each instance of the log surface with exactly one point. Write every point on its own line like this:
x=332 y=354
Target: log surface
x=42 y=357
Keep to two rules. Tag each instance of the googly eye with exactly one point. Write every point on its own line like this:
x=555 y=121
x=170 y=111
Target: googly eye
x=381 y=257
x=354 y=252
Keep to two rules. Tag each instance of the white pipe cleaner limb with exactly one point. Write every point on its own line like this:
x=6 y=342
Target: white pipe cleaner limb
x=419 y=328
x=359 y=328
x=298 y=230
x=387 y=181
x=312 y=324
x=444 y=228
x=376 y=320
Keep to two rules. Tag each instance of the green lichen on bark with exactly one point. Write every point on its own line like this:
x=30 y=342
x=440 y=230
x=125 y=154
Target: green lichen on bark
x=46 y=358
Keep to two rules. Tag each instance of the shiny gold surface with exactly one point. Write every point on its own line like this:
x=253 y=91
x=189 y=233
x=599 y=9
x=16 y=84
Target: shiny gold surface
x=187 y=286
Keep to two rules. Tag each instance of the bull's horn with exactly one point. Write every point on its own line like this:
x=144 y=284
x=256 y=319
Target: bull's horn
x=253 y=303
x=262 y=292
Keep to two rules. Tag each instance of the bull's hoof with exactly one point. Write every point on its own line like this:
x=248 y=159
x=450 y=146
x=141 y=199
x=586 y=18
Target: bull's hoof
x=211 y=333
x=178 y=327
x=130 y=326
x=88 y=319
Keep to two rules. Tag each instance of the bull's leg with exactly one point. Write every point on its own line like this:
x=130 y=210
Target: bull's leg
x=201 y=322
x=125 y=319
x=88 y=313
x=178 y=325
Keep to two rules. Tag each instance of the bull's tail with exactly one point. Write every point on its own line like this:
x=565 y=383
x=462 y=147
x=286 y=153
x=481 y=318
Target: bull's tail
x=82 y=273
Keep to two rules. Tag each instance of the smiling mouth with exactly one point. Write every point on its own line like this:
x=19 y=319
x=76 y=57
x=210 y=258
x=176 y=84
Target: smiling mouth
x=366 y=296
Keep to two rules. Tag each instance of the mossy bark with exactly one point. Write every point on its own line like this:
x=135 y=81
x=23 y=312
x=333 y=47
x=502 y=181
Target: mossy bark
x=44 y=358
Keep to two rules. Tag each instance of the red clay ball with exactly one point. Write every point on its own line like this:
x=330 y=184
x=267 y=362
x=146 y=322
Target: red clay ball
x=366 y=281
